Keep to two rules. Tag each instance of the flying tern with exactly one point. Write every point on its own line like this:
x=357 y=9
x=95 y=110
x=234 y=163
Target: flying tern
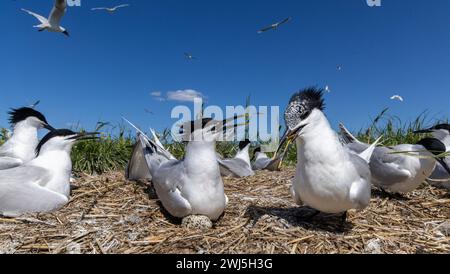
x=52 y=23
x=275 y=26
x=111 y=9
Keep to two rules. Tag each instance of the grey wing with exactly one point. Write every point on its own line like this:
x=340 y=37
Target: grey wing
x=285 y=21
x=386 y=167
x=23 y=174
x=274 y=164
x=122 y=6
x=9 y=162
x=357 y=148
x=237 y=167
x=6 y=150
x=440 y=173
x=261 y=164
x=267 y=164
x=138 y=168
x=167 y=181
x=360 y=165
x=21 y=192
x=265 y=29
x=58 y=11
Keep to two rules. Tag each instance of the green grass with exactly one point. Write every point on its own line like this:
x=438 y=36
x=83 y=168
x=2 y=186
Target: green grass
x=112 y=151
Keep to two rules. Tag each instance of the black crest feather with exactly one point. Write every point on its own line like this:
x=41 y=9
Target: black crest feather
x=442 y=126
x=302 y=104
x=194 y=124
x=52 y=134
x=433 y=145
x=20 y=114
x=244 y=144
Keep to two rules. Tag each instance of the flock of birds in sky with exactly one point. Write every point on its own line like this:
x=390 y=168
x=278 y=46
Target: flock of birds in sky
x=334 y=173
x=53 y=24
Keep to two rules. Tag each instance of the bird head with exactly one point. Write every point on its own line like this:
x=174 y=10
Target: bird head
x=301 y=111
x=206 y=129
x=440 y=131
x=437 y=148
x=244 y=144
x=33 y=117
x=63 y=140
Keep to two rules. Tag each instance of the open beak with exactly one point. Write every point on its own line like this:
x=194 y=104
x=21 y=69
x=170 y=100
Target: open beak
x=289 y=136
x=224 y=127
x=86 y=136
x=444 y=165
x=49 y=127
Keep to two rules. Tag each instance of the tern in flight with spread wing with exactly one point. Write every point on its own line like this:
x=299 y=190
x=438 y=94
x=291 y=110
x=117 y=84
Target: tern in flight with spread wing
x=52 y=23
x=275 y=26
x=113 y=9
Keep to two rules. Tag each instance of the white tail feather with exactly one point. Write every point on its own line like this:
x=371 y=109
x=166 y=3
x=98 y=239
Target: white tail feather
x=367 y=154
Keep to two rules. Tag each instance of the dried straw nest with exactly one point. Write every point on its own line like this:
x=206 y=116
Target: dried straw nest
x=108 y=214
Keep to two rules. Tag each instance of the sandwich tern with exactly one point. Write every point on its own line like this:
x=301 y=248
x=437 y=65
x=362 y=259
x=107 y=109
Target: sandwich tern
x=239 y=166
x=20 y=147
x=275 y=26
x=52 y=23
x=111 y=9
x=402 y=168
x=329 y=177
x=192 y=186
x=41 y=185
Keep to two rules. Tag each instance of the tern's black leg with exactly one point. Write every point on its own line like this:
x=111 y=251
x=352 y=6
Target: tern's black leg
x=344 y=218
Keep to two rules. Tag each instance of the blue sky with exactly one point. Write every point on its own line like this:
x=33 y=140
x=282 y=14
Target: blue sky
x=112 y=63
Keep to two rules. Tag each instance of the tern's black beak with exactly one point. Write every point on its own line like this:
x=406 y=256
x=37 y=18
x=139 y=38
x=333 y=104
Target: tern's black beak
x=66 y=33
x=86 y=136
x=49 y=127
x=423 y=131
x=289 y=136
x=444 y=165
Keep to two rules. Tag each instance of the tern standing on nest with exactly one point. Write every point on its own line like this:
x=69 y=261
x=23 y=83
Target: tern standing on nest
x=20 y=147
x=329 y=177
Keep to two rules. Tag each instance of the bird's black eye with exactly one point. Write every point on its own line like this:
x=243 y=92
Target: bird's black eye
x=305 y=115
x=213 y=129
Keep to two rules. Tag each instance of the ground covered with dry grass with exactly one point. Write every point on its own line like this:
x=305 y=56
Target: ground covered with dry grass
x=108 y=214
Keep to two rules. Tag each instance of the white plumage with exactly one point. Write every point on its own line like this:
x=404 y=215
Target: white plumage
x=52 y=23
